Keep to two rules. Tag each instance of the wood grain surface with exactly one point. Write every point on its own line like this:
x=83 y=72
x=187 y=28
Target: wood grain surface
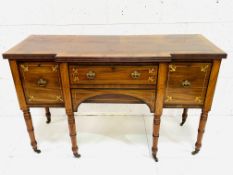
x=144 y=48
x=41 y=83
x=158 y=70
x=197 y=77
x=81 y=95
x=113 y=74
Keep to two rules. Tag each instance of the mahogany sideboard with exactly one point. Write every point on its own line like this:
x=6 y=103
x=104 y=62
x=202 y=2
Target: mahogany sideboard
x=161 y=71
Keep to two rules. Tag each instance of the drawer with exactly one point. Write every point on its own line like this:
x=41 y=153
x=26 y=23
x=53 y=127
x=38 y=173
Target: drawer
x=133 y=75
x=113 y=96
x=187 y=83
x=41 y=83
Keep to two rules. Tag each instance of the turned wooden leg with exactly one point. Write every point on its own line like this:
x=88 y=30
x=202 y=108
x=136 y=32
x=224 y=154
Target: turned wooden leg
x=30 y=129
x=184 y=116
x=156 y=126
x=72 y=130
x=48 y=115
x=201 y=130
x=161 y=86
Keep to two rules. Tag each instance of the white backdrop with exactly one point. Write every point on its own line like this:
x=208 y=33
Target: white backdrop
x=212 y=18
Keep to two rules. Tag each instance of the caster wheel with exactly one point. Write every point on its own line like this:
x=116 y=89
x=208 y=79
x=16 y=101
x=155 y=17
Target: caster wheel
x=77 y=155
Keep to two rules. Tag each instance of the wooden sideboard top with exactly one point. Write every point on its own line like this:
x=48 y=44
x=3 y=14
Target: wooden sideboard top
x=132 y=48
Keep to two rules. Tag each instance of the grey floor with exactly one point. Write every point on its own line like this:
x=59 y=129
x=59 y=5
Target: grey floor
x=116 y=144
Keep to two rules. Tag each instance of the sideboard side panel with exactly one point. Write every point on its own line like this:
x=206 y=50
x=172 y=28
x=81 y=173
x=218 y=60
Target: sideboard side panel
x=212 y=84
x=18 y=84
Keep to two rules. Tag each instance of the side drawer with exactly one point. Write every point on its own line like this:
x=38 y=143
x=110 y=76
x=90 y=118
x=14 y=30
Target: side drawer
x=41 y=82
x=187 y=83
x=146 y=75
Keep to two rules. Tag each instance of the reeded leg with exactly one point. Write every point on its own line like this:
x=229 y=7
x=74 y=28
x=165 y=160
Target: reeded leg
x=201 y=130
x=48 y=115
x=30 y=129
x=184 y=116
x=72 y=130
x=156 y=126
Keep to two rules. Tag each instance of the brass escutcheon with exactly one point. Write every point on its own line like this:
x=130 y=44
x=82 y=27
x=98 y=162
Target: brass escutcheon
x=90 y=75
x=186 y=83
x=42 y=82
x=135 y=74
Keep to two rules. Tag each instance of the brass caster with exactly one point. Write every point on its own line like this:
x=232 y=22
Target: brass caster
x=182 y=123
x=48 y=116
x=48 y=120
x=155 y=157
x=195 y=152
x=37 y=150
x=77 y=155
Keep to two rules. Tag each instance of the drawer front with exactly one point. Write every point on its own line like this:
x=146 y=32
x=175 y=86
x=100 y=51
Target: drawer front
x=41 y=83
x=187 y=83
x=113 y=74
x=113 y=96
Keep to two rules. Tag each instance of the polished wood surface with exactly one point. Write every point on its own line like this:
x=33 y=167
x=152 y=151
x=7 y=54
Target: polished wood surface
x=178 y=71
x=114 y=98
x=41 y=83
x=207 y=105
x=161 y=86
x=23 y=104
x=113 y=74
x=187 y=83
x=147 y=48
x=212 y=84
x=81 y=95
x=69 y=107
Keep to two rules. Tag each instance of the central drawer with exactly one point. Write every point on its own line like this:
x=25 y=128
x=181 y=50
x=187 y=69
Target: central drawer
x=146 y=96
x=146 y=75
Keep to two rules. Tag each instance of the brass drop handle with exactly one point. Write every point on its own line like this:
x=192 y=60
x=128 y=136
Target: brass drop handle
x=90 y=75
x=186 y=83
x=42 y=82
x=135 y=74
